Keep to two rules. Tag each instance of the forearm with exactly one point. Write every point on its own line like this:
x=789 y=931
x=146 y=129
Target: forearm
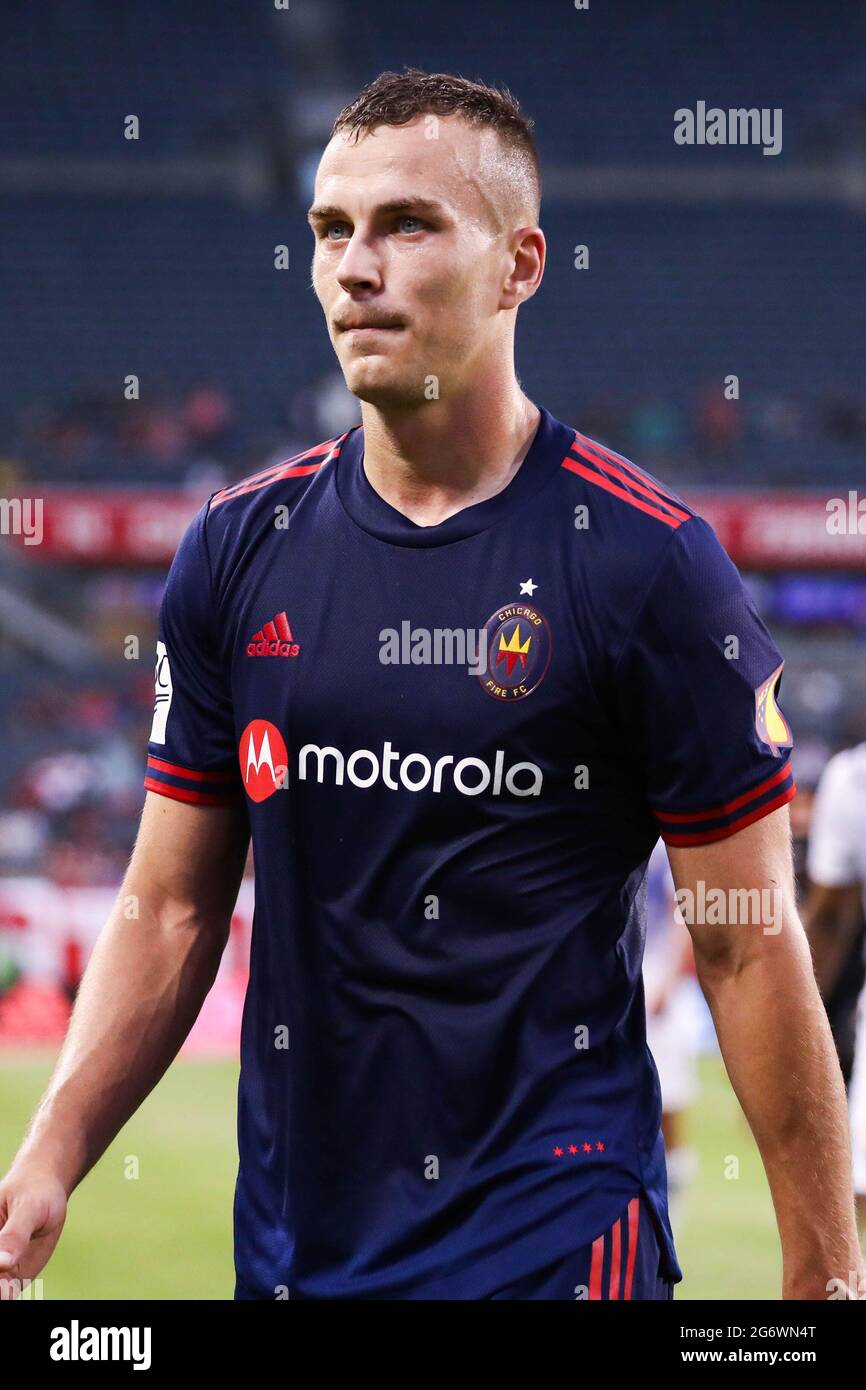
x=142 y=991
x=780 y=1057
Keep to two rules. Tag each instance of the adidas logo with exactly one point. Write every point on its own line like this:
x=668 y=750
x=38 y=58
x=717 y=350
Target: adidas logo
x=274 y=639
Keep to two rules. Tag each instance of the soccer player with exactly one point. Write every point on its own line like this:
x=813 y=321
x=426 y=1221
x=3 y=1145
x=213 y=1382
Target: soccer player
x=455 y=670
x=836 y=863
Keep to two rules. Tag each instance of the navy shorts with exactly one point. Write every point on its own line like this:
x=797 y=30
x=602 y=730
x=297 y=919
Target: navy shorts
x=624 y=1262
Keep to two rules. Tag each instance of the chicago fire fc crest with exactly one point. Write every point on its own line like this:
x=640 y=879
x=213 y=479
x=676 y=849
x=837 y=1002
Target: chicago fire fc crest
x=264 y=759
x=518 y=651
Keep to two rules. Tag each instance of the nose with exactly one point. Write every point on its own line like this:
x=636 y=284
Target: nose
x=359 y=266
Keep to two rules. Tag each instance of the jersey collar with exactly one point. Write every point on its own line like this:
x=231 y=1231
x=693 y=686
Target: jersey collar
x=373 y=514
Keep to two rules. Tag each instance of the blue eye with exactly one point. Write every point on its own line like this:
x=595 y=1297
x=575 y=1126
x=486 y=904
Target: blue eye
x=409 y=218
x=340 y=226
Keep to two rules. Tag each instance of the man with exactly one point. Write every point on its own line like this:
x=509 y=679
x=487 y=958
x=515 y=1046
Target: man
x=456 y=669
x=836 y=863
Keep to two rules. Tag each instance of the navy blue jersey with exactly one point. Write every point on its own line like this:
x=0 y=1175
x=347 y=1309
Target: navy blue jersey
x=457 y=746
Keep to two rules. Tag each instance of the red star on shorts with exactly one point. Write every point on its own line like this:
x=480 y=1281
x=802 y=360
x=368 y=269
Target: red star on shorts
x=587 y=1148
x=557 y=1152
x=572 y=1148
x=600 y=1147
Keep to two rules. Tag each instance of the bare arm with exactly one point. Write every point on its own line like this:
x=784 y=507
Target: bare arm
x=147 y=978
x=775 y=1039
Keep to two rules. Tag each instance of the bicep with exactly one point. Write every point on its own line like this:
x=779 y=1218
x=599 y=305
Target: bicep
x=738 y=893
x=191 y=855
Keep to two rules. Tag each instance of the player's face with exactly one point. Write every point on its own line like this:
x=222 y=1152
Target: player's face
x=408 y=264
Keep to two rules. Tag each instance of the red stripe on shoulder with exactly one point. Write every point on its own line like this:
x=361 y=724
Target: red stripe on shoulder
x=298 y=470
x=623 y=462
x=616 y=468
x=294 y=467
x=600 y=481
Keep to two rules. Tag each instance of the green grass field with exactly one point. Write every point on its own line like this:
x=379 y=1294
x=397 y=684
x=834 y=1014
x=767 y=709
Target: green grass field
x=167 y=1232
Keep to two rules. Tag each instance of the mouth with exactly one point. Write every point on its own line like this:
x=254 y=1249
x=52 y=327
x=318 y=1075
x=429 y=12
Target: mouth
x=363 y=330
x=369 y=339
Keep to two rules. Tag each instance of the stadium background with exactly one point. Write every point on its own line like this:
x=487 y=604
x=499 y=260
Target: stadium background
x=155 y=258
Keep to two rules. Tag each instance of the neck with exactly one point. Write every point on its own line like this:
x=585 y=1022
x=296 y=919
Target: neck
x=441 y=456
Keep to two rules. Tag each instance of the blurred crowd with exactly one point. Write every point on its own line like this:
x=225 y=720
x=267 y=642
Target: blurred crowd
x=196 y=439
x=200 y=438
x=70 y=809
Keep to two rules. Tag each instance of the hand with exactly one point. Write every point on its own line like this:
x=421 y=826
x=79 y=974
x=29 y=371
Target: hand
x=32 y=1212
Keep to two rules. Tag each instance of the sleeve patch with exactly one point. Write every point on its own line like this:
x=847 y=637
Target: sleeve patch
x=770 y=722
x=162 y=694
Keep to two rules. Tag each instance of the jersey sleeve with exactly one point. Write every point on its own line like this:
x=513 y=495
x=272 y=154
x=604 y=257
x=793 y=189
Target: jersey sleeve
x=696 y=686
x=832 y=857
x=191 y=750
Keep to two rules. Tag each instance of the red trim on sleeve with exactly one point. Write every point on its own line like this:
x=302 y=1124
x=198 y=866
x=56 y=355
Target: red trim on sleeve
x=729 y=806
x=186 y=794
x=708 y=837
x=174 y=770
